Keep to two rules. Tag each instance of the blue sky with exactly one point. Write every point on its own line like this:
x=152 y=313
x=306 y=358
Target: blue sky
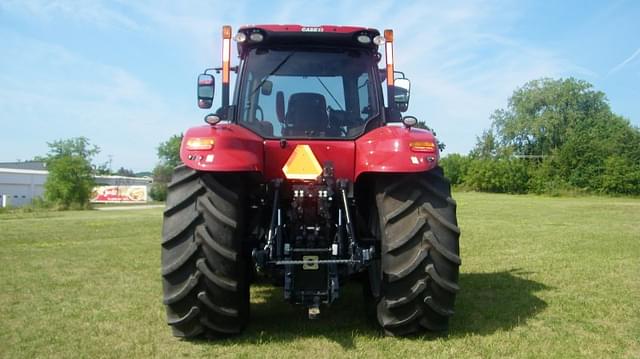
x=122 y=73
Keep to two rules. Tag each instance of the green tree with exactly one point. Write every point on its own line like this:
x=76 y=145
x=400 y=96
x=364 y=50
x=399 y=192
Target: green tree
x=125 y=172
x=70 y=178
x=542 y=115
x=169 y=156
x=169 y=151
x=487 y=146
x=567 y=133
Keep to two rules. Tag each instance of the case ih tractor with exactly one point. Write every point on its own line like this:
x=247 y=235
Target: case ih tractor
x=308 y=178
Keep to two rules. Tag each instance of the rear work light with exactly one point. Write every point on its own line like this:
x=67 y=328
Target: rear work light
x=240 y=37
x=423 y=146
x=364 y=39
x=256 y=37
x=200 y=144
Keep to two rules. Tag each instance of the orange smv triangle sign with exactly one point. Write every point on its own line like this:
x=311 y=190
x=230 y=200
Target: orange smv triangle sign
x=302 y=164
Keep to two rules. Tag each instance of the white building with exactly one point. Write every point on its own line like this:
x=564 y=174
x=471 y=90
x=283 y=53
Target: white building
x=20 y=186
x=21 y=182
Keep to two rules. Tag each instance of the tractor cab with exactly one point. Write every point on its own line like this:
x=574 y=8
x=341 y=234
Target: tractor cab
x=325 y=87
x=309 y=82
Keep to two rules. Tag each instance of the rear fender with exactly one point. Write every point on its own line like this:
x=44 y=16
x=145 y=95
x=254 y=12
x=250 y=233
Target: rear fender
x=386 y=150
x=236 y=149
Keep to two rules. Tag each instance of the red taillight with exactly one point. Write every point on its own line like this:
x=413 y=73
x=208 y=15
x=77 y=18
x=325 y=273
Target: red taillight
x=422 y=146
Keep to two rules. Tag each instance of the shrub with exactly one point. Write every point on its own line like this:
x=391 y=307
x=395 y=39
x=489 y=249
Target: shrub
x=620 y=176
x=498 y=175
x=158 y=191
x=544 y=177
x=455 y=167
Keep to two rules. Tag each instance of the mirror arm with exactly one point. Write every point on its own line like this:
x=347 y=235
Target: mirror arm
x=401 y=73
x=219 y=69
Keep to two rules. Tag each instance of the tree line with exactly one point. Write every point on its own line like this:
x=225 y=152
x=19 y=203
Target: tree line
x=554 y=136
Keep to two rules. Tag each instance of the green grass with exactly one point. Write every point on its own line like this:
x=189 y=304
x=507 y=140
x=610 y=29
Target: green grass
x=541 y=277
x=125 y=204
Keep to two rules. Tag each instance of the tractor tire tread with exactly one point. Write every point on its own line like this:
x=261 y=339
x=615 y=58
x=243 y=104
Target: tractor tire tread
x=420 y=252
x=204 y=273
x=202 y=296
x=193 y=312
x=203 y=235
x=181 y=260
x=407 y=236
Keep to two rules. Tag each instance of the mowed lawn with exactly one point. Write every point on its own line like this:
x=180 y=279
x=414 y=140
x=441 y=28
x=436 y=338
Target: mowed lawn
x=540 y=277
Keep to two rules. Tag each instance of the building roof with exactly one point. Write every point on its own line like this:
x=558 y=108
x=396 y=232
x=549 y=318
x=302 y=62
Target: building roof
x=113 y=177
x=24 y=172
x=27 y=165
x=38 y=167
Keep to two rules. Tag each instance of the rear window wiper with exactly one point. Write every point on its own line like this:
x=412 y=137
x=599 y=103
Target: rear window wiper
x=275 y=69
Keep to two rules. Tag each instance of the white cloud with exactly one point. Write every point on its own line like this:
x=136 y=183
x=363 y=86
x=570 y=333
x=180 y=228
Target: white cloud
x=625 y=62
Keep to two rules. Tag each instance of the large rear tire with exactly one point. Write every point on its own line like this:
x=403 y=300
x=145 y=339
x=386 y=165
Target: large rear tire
x=420 y=252
x=204 y=275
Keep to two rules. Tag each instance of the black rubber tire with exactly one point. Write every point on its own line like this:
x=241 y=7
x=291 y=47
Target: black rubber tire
x=204 y=274
x=419 y=252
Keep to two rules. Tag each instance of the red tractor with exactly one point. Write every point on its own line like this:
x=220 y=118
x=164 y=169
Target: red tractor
x=309 y=179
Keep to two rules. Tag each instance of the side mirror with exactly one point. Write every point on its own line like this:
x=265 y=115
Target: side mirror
x=206 y=87
x=402 y=93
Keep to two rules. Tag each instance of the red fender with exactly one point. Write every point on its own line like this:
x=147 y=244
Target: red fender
x=387 y=149
x=382 y=150
x=236 y=149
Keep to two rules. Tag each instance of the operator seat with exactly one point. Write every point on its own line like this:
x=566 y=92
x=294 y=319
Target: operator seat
x=306 y=115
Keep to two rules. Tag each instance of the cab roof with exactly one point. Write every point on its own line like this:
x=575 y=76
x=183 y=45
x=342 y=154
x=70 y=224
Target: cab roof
x=304 y=28
x=307 y=36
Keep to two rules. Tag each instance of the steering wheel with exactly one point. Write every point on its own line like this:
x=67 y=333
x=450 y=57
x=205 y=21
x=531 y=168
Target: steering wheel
x=258 y=108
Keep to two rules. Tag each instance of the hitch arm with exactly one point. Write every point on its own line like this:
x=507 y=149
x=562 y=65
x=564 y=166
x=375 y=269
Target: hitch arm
x=275 y=224
x=347 y=216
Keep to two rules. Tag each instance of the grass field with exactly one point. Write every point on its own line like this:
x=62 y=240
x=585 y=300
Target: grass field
x=541 y=277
